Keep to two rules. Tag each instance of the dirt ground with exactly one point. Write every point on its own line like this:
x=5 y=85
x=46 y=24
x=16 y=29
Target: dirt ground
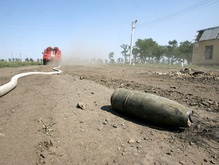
x=40 y=122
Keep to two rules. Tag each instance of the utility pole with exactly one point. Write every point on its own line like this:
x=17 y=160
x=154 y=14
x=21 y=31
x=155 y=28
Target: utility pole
x=132 y=34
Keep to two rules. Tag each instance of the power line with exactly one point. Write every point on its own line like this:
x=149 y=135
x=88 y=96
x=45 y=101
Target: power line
x=180 y=13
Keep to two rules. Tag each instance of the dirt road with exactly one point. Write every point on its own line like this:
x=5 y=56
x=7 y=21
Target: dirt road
x=40 y=122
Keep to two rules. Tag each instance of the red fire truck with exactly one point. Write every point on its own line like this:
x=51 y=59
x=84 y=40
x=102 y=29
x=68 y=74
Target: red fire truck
x=52 y=54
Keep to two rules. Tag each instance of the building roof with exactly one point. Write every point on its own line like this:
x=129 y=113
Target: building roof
x=208 y=34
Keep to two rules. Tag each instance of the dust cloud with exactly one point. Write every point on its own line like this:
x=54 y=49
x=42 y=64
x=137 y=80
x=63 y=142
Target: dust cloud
x=83 y=56
x=85 y=51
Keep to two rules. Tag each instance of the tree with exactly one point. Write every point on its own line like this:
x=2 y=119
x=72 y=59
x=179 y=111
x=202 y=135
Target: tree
x=185 y=50
x=146 y=49
x=26 y=59
x=135 y=55
x=172 y=51
x=141 y=49
x=111 y=54
x=159 y=52
x=125 y=48
x=120 y=61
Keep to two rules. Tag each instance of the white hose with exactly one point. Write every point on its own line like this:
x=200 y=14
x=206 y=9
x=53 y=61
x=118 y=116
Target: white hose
x=4 y=89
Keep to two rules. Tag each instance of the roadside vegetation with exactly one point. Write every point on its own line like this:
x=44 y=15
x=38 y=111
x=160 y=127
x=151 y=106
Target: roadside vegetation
x=148 y=51
x=18 y=62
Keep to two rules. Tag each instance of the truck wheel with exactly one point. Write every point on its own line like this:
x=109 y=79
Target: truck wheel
x=45 y=62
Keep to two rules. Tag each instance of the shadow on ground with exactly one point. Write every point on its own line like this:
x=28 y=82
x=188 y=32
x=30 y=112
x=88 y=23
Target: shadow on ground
x=139 y=121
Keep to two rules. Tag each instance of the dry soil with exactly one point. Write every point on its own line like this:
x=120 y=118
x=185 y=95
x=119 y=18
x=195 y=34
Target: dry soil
x=40 y=122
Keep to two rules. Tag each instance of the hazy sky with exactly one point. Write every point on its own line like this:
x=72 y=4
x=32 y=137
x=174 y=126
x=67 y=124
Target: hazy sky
x=94 y=28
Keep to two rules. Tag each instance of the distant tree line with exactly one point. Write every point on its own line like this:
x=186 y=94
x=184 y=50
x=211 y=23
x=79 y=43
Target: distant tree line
x=149 y=51
x=17 y=62
x=20 y=60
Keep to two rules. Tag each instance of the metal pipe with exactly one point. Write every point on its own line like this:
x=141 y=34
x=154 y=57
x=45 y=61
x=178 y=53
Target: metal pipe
x=4 y=89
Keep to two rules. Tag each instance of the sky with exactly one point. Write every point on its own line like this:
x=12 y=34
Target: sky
x=94 y=28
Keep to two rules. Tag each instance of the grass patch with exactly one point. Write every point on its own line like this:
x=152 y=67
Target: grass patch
x=4 y=64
